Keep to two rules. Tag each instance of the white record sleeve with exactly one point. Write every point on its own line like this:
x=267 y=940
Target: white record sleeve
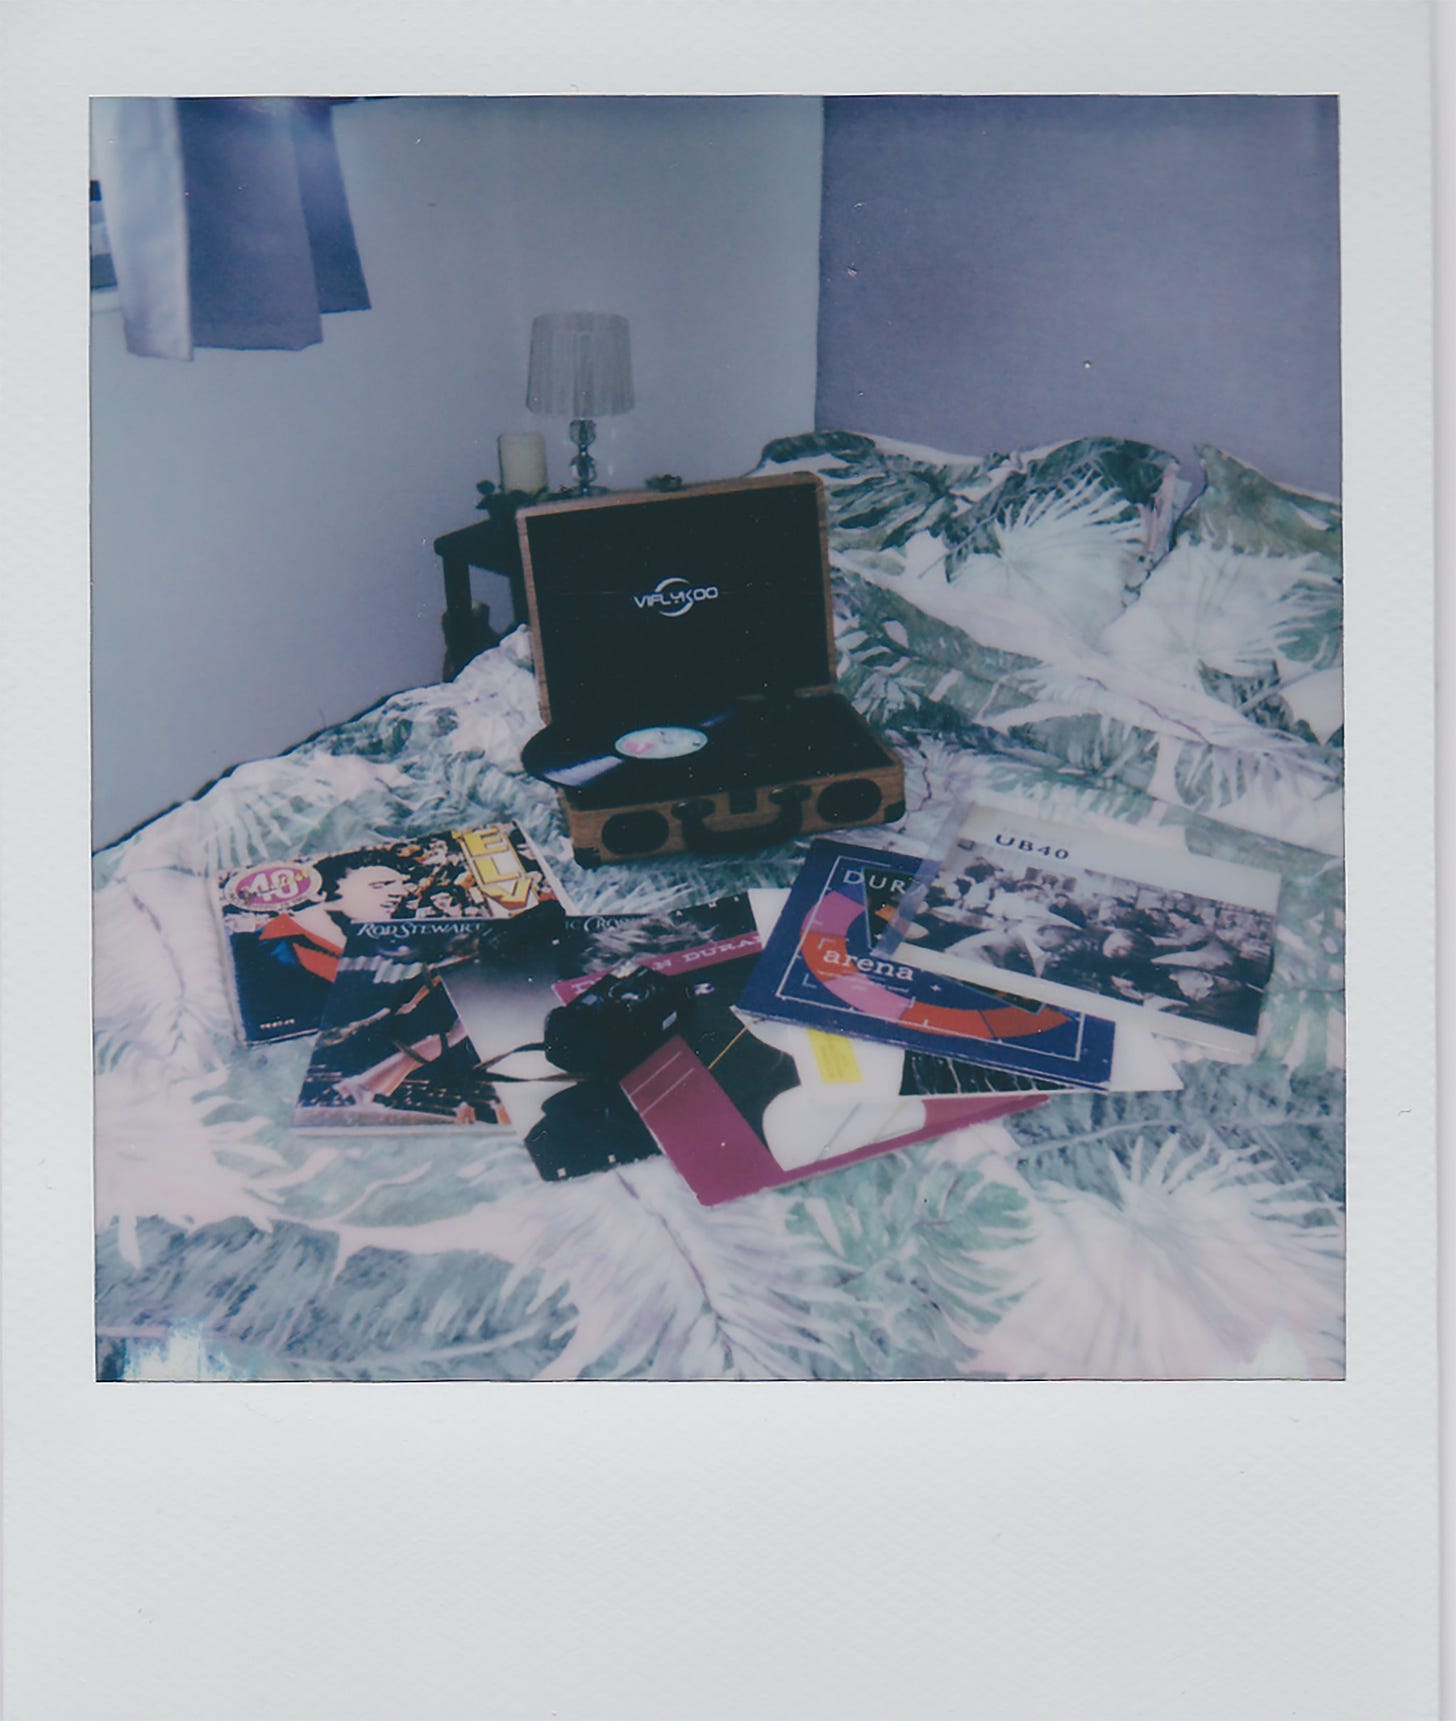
x=1172 y=942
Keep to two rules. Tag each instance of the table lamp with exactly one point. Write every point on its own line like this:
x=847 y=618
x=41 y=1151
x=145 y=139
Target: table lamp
x=581 y=365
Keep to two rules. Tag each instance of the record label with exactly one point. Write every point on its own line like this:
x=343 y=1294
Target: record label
x=662 y=741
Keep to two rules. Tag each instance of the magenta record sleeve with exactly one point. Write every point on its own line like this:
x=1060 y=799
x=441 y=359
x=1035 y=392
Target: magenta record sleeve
x=721 y=1156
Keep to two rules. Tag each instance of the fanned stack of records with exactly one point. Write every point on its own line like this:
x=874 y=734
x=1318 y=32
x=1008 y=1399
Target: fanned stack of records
x=758 y=1039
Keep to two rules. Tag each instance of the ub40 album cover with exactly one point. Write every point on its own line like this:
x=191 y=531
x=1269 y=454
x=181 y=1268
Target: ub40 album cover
x=1179 y=943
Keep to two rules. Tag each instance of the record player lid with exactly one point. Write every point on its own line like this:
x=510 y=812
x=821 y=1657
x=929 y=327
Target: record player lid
x=687 y=598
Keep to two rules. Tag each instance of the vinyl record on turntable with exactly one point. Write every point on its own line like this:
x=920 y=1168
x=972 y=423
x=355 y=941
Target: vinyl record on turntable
x=572 y=761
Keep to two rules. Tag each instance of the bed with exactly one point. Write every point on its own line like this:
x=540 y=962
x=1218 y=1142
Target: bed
x=1060 y=628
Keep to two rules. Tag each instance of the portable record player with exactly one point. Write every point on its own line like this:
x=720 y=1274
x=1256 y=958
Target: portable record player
x=684 y=650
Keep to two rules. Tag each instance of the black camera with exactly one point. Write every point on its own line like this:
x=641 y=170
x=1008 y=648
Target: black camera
x=611 y=1028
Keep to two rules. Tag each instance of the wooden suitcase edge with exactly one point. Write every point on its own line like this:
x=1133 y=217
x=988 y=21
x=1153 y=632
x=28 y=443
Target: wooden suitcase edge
x=587 y=826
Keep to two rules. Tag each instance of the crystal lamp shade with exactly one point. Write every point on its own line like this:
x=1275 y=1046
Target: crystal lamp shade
x=581 y=364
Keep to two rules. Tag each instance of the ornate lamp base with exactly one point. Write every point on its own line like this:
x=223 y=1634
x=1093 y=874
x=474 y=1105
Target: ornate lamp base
x=584 y=468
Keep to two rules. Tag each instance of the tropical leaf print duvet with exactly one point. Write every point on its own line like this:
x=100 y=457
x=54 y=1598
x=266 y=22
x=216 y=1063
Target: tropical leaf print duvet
x=1042 y=628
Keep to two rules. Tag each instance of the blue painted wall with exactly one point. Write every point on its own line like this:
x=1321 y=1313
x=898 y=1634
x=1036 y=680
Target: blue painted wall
x=1004 y=271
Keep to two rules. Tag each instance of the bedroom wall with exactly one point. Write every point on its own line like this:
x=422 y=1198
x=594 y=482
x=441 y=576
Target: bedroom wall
x=261 y=561
x=1001 y=272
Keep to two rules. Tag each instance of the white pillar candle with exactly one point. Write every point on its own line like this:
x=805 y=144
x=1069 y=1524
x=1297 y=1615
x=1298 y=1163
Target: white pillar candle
x=523 y=462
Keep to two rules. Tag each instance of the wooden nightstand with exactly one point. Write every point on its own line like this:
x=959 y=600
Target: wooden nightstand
x=490 y=544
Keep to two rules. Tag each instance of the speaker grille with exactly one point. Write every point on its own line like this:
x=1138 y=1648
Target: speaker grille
x=850 y=802
x=637 y=833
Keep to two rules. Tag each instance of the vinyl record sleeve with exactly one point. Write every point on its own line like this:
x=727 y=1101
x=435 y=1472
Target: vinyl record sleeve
x=286 y=923
x=1177 y=943
x=736 y=1104
x=392 y=1052
x=822 y=968
x=723 y=1157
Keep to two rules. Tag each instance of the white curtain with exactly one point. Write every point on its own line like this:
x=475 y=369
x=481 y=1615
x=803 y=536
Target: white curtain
x=137 y=153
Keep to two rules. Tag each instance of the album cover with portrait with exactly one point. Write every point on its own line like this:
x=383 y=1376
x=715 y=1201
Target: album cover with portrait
x=286 y=923
x=1132 y=930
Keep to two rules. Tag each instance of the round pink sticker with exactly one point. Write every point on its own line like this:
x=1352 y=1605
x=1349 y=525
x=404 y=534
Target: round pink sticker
x=274 y=885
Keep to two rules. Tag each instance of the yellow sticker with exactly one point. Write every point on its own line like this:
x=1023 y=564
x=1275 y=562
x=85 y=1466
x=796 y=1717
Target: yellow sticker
x=496 y=866
x=835 y=1057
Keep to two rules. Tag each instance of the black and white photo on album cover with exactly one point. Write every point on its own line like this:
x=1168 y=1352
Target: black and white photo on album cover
x=1128 y=930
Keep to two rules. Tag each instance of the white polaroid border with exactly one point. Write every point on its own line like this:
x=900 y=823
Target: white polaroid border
x=1160 y=1550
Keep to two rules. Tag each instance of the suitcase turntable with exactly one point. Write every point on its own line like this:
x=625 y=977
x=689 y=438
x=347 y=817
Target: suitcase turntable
x=685 y=665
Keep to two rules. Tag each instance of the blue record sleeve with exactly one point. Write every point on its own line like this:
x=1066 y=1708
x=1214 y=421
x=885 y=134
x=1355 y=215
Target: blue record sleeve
x=820 y=969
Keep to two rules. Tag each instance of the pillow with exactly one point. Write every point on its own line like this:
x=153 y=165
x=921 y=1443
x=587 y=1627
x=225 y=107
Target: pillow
x=985 y=660
x=1066 y=532
x=1247 y=606
x=1240 y=509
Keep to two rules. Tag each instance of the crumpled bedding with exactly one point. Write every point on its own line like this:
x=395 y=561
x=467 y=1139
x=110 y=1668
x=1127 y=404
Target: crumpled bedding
x=1052 y=628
